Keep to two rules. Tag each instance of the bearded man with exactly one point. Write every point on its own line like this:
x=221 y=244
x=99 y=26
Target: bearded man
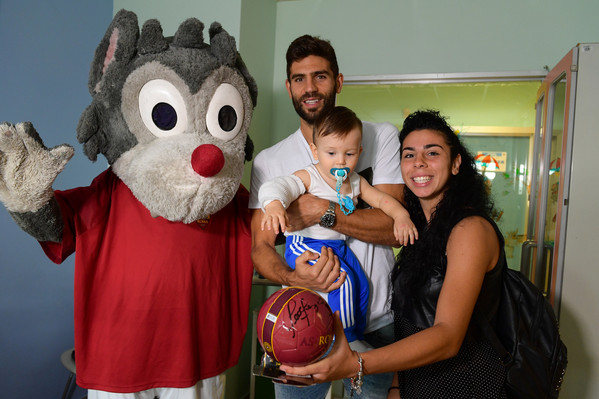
x=313 y=81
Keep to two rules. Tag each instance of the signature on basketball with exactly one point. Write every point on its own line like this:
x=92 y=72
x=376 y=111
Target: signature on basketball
x=299 y=310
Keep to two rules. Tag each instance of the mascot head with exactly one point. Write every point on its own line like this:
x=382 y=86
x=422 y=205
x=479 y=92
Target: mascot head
x=170 y=114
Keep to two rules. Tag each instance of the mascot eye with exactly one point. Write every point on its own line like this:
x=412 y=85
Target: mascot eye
x=164 y=116
x=225 y=112
x=162 y=108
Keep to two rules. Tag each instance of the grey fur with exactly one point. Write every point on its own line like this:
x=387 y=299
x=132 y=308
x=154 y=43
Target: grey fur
x=223 y=45
x=151 y=39
x=44 y=225
x=101 y=129
x=125 y=23
x=190 y=34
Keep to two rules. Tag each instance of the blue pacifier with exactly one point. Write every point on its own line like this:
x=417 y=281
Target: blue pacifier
x=340 y=173
x=345 y=203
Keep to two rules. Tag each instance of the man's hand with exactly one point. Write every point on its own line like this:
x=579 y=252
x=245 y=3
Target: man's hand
x=305 y=212
x=322 y=276
x=325 y=275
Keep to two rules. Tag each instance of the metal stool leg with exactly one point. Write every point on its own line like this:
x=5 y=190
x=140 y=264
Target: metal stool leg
x=67 y=387
x=68 y=361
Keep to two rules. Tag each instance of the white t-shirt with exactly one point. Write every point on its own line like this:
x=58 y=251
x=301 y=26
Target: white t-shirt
x=380 y=143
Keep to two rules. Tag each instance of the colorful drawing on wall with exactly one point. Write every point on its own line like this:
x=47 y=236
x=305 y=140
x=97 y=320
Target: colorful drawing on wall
x=491 y=161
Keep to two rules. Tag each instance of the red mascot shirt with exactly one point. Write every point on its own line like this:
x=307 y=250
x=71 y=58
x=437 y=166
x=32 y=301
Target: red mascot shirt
x=157 y=303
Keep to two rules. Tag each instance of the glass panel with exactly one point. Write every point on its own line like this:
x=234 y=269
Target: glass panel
x=536 y=167
x=503 y=160
x=529 y=247
x=553 y=168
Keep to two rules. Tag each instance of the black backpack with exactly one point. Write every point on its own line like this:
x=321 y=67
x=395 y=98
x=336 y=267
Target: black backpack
x=526 y=339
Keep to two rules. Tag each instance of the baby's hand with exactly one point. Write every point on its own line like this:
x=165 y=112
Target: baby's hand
x=404 y=230
x=275 y=216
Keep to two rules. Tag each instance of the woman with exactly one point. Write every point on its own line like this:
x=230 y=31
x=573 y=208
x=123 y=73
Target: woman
x=455 y=265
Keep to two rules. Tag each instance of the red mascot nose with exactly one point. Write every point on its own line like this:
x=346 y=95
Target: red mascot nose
x=207 y=160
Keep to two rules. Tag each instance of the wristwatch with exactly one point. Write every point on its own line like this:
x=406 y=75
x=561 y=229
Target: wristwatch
x=328 y=219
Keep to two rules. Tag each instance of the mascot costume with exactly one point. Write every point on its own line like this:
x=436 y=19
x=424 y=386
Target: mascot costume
x=161 y=238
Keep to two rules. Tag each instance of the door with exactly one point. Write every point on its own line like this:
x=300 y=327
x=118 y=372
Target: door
x=542 y=253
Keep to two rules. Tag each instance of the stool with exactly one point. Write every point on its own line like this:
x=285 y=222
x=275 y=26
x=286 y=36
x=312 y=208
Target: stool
x=68 y=361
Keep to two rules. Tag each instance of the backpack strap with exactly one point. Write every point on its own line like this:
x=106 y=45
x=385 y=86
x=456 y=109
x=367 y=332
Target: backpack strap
x=490 y=334
x=481 y=319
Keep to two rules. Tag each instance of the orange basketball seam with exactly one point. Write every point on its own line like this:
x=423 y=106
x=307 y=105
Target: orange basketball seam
x=278 y=314
x=269 y=344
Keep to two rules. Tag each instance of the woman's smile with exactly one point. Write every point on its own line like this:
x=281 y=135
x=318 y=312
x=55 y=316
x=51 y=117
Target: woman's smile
x=421 y=179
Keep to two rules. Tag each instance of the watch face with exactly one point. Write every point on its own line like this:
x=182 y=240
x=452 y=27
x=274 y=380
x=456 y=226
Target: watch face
x=327 y=220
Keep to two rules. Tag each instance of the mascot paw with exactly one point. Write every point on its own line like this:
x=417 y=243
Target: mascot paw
x=27 y=168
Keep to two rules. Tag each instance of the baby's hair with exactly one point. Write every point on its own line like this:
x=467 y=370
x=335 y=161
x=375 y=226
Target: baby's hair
x=339 y=122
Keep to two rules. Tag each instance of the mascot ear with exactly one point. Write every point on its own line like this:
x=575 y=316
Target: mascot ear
x=118 y=46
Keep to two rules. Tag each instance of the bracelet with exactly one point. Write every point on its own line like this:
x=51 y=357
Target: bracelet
x=356 y=382
x=390 y=388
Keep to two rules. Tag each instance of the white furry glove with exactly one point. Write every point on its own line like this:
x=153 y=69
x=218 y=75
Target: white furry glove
x=27 y=168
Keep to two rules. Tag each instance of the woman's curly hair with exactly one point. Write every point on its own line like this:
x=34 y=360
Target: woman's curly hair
x=466 y=194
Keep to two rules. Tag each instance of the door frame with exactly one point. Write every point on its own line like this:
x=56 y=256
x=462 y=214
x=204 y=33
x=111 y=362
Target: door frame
x=430 y=78
x=566 y=67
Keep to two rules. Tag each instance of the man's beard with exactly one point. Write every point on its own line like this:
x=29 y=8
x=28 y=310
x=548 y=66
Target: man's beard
x=312 y=116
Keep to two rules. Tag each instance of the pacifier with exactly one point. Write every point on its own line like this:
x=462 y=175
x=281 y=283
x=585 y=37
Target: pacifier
x=345 y=203
x=340 y=173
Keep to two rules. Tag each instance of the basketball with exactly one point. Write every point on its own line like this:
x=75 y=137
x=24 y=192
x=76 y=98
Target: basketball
x=295 y=326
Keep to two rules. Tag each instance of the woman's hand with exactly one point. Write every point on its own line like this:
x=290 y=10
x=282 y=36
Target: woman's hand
x=340 y=363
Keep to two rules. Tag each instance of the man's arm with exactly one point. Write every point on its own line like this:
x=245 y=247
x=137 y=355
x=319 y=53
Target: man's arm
x=368 y=225
x=321 y=276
